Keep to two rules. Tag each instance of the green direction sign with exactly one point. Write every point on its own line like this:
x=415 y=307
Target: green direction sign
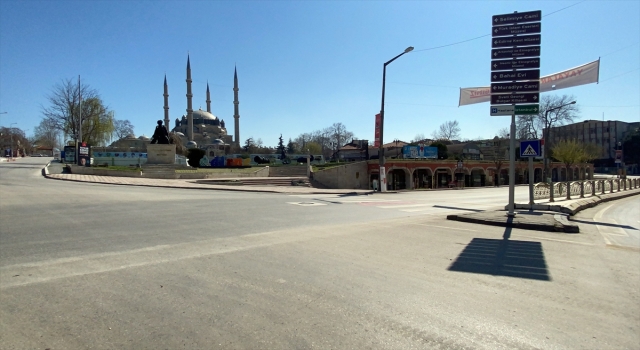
x=526 y=109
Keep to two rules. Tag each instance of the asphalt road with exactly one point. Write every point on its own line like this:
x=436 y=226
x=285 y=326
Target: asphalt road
x=98 y=266
x=617 y=222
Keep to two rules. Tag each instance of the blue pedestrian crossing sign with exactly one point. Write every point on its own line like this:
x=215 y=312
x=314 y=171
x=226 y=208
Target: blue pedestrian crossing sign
x=530 y=148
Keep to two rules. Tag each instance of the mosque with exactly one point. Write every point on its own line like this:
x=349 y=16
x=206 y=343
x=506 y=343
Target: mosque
x=197 y=128
x=201 y=128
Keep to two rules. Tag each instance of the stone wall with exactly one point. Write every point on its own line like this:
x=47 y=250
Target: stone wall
x=83 y=170
x=348 y=176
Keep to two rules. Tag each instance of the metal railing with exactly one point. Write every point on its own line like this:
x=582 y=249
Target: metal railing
x=583 y=188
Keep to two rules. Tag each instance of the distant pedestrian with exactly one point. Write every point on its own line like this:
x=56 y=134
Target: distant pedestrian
x=375 y=184
x=496 y=180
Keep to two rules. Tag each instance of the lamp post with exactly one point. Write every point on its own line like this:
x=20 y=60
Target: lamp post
x=548 y=143
x=11 y=131
x=383 y=184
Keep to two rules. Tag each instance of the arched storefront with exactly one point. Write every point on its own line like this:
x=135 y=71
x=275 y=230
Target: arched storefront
x=422 y=178
x=397 y=179
x=443 y=176
x=477 y=178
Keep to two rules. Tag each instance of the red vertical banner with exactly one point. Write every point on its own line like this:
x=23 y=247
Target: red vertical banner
x=376 y=142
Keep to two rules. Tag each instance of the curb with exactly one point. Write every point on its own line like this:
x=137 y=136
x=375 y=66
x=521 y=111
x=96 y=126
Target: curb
x=521 y=225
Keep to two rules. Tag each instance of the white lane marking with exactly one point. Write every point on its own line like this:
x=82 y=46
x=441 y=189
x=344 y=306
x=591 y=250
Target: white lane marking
x=43 y=271
x=306 y=204
x=599 y=214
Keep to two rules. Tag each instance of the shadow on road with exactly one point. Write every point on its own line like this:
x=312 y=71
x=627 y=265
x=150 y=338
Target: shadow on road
x=503 y=257
x=457 y=208
x=604 y=224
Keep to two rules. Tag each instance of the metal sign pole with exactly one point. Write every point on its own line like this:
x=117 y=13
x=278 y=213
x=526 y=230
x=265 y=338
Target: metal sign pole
x=531 y=183
x=512 y=166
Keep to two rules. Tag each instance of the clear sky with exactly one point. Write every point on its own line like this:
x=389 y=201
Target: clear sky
x=304 y=65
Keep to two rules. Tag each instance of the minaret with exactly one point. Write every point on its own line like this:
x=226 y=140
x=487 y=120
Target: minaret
x=166 y=104
x=208 y=99
x=189 y=106
x=236 y=113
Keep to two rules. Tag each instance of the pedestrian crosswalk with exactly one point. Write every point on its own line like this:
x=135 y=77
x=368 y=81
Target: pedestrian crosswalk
x=406 y=206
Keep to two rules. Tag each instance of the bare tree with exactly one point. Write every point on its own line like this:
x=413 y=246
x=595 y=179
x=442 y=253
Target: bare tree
x=533 y=126
x=447 y=131
x=64 y=112
x=122 y=128
x=419 y=137
x=46 y=134
x=503 y=133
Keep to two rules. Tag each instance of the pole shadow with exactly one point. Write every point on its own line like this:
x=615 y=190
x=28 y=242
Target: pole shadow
x=503 y=257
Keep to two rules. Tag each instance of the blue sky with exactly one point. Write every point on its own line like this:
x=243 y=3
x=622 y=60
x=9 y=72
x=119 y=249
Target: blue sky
x=304 y=65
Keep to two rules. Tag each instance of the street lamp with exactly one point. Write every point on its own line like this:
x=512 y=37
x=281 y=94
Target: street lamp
x=11 y=131
x=383 y=186
x=546 y=153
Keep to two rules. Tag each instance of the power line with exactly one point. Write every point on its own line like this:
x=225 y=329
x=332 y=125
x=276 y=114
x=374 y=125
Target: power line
x=619 y=75
x=482 y=36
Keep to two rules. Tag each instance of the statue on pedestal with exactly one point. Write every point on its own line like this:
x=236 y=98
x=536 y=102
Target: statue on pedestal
x=160 y=135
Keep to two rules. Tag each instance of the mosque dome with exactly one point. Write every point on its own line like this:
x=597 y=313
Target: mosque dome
x=204 y=115
x=217 y=142
x=179 y=133
x=192 y=144
x=143 y=138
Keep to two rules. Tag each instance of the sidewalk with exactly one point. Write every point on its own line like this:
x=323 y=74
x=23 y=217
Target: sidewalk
x=194 y=184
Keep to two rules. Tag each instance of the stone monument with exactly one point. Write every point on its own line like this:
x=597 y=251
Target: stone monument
x=160 y=151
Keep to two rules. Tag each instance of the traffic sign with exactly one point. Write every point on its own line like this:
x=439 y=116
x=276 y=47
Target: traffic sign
x=530 y=148
x=502 y=110
x=527 y=109
x=527 y=28
x=515 y=64
x=508 y=99
x=523 y=40
x=532 y=74
x=515 y=87
x=511 y=18
x=532 y=51
x=517 y=110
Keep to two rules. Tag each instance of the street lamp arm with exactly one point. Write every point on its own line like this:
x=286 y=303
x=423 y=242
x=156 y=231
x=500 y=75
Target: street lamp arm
x=408 y=49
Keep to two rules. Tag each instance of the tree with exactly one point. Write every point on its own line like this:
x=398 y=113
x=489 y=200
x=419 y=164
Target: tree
x=64 y=112
x=281 y=150
x=122 y=128
x=15 y=139
x=313 y=148
x=249 y=145
x=533 y=126
x=447 y=131
x=46 y=134
x=503 y=133
x=442 y=149
x=98 y=127
x=291 y=147
x=569 y=152
x=329 y=138
x=419 y=137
